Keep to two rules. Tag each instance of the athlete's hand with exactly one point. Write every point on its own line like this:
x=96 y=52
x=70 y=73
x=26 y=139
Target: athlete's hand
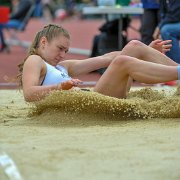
x=69 y=84
x=76 y=82
x=160 y=45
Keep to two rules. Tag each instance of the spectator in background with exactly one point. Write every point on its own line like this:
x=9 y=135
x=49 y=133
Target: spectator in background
x=169 y=26
x=38 y=8
x=15 y=19
x=47 y=9
x=69 y=5
x=149 y=20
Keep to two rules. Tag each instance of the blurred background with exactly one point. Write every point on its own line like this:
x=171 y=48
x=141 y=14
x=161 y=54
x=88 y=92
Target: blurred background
x=96 y=27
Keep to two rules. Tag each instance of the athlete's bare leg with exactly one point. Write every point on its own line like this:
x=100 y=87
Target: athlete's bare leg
x=141 y=51
x=114 y=81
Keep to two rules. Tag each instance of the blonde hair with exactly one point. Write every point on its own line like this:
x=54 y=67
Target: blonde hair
x=50 y=31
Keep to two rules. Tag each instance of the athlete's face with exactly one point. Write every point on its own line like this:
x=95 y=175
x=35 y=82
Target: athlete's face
x=54 y=51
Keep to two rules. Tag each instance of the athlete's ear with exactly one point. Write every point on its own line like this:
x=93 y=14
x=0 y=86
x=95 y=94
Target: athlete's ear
x=43 y=41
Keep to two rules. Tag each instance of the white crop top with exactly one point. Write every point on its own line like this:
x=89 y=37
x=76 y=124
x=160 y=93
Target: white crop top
x=55 y=75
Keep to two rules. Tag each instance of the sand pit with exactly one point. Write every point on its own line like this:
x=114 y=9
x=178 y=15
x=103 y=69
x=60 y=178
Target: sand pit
x=92 y=137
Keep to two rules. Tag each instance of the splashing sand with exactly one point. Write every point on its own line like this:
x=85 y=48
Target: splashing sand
x=144 y=103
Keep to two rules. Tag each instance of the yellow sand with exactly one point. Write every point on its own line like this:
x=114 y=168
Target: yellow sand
x=84 y=135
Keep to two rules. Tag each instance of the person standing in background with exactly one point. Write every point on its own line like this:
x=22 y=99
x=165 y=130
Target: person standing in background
x=21 y=8
x=169 y=26
x=150 y=20
x=69 y=5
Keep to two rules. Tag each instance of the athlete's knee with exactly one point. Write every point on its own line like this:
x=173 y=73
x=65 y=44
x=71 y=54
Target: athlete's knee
x=122 y=62
x=133 y=45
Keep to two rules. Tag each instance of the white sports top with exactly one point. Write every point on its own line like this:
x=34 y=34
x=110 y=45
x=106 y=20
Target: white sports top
x=55 y=75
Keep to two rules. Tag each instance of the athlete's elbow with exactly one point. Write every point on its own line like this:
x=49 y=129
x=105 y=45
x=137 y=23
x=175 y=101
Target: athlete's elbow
x=30 y=97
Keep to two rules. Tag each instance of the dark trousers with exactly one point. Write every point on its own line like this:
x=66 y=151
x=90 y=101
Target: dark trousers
x=150 y=20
